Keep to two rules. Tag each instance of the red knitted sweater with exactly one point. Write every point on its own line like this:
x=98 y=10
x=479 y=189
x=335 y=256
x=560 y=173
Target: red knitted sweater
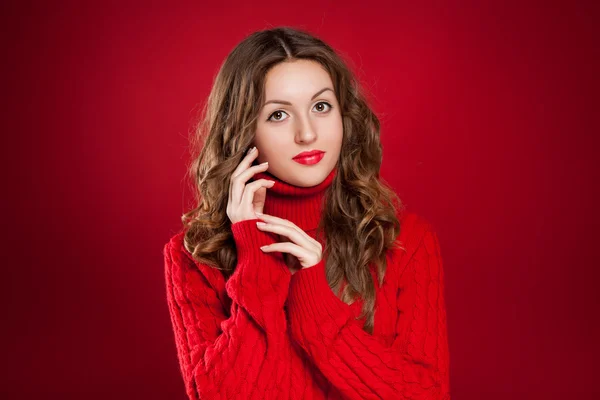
x=267 y=334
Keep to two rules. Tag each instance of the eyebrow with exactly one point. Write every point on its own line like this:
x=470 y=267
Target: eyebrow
x=289 y=104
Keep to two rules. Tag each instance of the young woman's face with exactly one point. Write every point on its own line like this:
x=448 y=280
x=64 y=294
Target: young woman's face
x=300 y=114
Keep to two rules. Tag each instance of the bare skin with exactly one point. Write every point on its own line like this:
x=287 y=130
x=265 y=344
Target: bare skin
x=246 y=201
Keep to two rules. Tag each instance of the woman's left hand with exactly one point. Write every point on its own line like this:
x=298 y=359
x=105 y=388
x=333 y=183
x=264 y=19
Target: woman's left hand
x=307 y=250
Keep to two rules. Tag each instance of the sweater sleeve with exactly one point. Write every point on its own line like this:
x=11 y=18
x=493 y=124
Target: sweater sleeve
x=415 y=366
x=228 y=352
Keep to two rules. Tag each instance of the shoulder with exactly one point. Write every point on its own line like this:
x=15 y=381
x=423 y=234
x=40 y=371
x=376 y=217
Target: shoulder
x=174 y=251
x=176 y=240
x=416 y=232
x=180 y=262
x=413 y=228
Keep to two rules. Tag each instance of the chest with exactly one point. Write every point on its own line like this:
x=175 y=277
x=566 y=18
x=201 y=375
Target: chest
x=386 y=310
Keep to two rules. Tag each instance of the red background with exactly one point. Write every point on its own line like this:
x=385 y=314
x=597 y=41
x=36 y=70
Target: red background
x=489 y=117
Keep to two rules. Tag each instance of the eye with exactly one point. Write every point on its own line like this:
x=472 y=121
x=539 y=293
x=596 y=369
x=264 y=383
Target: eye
x=320 y=105
x=276 y=114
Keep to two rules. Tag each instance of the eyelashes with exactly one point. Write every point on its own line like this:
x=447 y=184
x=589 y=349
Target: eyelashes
x=269 y=119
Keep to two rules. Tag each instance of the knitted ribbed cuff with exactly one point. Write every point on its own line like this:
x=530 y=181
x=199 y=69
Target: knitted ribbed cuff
x=249 y=239
x=260 y=281
x=311 y=299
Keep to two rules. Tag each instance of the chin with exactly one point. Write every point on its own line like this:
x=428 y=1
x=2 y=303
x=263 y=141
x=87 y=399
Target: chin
x=308 y=177
x=302 y=176
x=307 y=183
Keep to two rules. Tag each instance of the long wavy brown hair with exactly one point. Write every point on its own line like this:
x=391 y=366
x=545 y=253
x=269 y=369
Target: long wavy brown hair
x=360 y=218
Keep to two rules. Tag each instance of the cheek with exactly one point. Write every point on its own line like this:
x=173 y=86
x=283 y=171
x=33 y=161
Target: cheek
x=272 y=136
x=336 y=134
x=336 y=127
x=270 y=147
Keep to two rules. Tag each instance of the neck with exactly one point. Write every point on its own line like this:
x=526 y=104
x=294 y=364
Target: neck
x=301 y=205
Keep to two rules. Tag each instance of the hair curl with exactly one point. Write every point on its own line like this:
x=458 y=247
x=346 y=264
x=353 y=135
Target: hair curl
x=360 y=218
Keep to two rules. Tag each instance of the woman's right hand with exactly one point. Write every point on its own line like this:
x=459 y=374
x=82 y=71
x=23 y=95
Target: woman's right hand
x=246 y=199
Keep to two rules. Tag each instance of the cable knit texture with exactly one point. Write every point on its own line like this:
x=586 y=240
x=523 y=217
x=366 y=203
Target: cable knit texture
x=267 y=334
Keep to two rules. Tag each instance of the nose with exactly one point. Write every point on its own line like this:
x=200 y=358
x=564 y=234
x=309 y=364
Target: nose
x=305 y=132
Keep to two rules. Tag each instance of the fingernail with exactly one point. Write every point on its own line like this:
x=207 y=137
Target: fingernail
x=265 y=163
x=258 y=213
x=260 y=223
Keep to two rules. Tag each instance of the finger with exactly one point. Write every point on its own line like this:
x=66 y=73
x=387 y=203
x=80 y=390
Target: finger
x=306 y=258
x=292 y=234
x=249 y=173
x=238 y=182
x=251 y=188
x=287 y=247
x=281 y=221
x=242 y=166
x=246 y=161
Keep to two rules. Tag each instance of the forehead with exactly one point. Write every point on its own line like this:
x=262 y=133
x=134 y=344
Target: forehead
x=299 y=78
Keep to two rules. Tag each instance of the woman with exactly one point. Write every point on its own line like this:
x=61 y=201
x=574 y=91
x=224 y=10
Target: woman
x=299 y=275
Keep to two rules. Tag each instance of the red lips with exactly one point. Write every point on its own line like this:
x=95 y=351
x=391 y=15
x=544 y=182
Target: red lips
x=309 y=157
x=308 y=153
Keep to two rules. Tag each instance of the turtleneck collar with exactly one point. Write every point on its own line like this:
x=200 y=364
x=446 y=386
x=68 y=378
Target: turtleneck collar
x=301 y=205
